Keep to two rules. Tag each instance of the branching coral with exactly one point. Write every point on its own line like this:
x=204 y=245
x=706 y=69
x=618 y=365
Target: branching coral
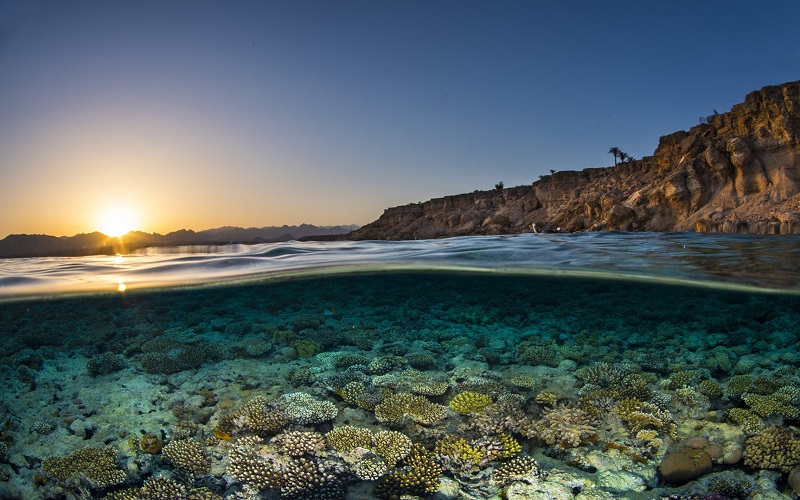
x=418 y=477
x=348 y=438
x=518 y=469
x=775 y=448
x=298 y=443
x=747 y=419
x=259 y=415
x=399 y=407
x=309 y=478
x=470 y=402
x=564 y=427
x=304 y=409
x=457 y=455
x=97 y=465
x=251 y=469
x=187 y=456
x=392 y=446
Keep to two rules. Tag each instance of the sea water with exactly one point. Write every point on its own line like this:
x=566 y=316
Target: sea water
x=529 y=366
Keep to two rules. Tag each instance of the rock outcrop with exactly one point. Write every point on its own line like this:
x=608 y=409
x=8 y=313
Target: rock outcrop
x=737 y=173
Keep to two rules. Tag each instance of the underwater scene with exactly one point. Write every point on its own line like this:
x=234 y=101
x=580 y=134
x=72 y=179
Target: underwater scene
x=526 y=367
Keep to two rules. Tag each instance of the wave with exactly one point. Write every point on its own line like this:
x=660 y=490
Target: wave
x=755 y=263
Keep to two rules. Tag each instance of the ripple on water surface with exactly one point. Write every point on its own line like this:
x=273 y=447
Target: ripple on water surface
x=767 y=263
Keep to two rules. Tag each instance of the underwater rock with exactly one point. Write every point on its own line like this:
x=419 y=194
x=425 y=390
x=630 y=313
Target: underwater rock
x=794 y=479
x=682 y=466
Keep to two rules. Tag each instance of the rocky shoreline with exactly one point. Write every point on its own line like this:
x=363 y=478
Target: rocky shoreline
x=737 y=173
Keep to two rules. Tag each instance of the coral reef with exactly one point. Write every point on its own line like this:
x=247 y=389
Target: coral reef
x=97 y=466
x=776 y=448
x=187 y=456
x=395 y=409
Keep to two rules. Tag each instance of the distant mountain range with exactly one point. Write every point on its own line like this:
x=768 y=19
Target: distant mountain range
x=42 y=245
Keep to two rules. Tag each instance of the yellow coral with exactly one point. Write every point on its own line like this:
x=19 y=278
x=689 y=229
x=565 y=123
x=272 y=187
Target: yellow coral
x=391 y=445
x=396 y=408
x=546 y=398
x=348 y=438
x=458 y=455
x=470 y=402
x=511 y=446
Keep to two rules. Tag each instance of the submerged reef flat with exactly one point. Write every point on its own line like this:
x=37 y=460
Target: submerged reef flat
x=403 y=385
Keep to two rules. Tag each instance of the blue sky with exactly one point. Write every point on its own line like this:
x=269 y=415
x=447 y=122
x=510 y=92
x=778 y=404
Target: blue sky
x=201 y=114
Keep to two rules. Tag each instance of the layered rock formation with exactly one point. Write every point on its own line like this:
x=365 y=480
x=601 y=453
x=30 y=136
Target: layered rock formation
x=738 y=173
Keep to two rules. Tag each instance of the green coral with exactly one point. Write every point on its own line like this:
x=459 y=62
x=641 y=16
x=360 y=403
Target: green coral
x=682 y=379
x=747 y=419
x=306 y=348
x=738 y=385
x=711 y=388
x=470 y=402
x=97 y=465
x=773 y=404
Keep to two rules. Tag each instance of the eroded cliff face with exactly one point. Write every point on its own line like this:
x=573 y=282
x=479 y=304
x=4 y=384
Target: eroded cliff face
x=739 y=173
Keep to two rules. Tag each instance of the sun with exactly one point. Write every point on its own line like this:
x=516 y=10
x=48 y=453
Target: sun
x=117 y=220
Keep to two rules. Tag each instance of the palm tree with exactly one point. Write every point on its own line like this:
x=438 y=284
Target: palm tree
x=616 y=152
x=623 y=157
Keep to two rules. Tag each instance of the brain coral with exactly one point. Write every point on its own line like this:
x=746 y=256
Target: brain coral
x=97 y=465
x=187 y=456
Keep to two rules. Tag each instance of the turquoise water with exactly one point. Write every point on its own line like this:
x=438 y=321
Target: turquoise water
x=535 y=366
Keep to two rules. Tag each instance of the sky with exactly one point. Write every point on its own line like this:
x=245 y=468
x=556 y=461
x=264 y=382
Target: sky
x=199 y=114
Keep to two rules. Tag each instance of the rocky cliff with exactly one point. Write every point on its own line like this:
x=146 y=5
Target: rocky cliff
x=738 y=173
